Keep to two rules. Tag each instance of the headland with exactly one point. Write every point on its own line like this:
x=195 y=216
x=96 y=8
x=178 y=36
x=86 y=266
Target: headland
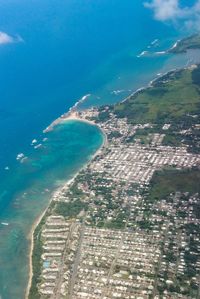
x=128 y=224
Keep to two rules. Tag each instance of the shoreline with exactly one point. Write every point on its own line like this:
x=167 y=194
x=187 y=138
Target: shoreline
x=33 y=228
x=150 y=84
x=70 y=116
x=31 y=246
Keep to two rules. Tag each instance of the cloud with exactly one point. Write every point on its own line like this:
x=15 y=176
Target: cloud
x=5 y=38
x=164 y=9
x=172 y=10
x=8 y=39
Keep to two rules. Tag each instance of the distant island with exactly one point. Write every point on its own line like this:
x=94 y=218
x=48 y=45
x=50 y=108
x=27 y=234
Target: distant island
x=181 y=46
x=128 y=224
x=191 y=42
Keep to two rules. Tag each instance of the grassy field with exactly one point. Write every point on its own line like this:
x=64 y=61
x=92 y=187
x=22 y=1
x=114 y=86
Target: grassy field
x=170 y=181
x=70 y=209
x=169 y=99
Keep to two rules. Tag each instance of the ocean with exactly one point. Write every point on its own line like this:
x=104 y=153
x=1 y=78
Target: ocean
x=63 y=50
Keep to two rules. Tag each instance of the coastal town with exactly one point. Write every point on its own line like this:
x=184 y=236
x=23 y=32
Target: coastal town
x=105 y=236
x=100 y=149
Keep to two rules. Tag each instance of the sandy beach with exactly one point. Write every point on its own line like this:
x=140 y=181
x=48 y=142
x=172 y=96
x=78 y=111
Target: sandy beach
x=35 y=224
x=31 y=238
x=68 y=117
x=72 y=115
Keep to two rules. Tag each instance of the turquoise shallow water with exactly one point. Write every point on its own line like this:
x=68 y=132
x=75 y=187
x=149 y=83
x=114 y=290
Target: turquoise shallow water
x=70 y=48
x=71 y=145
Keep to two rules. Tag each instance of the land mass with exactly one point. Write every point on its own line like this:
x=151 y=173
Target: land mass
x=181 y=46
x=127 y=226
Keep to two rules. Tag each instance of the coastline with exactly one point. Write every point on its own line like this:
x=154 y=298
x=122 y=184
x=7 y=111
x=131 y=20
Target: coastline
x=68 y=116
x=72 y=114
x=31 y=240
x=33 y=228
x=75 y=116
x=150 y=84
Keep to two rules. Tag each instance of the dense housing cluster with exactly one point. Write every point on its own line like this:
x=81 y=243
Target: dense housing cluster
x=59 y=239
x=128 y=225
x=109 y=263
x=119 y=243
x=137 y=164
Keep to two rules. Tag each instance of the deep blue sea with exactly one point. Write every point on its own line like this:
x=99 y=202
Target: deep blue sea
x=66 y=49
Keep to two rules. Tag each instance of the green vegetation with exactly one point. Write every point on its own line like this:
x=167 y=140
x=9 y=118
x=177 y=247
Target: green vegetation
x=193 y=141
x=75 y=191
x=103 y=116
x=170 y=181
x=70 y=209
x=145 y=224
x=172 y=140
x=142 y=135
x=114 y=134
x=191 y=42
x=36 y=262
x=169 y=99
x=118 y=222
x=196 y=76
x=36 y=255
x=173 y=99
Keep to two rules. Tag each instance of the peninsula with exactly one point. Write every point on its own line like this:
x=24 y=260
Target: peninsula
x=128 y=225
x=181 y=46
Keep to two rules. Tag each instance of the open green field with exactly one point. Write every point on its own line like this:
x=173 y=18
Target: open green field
x=169 y=99
x=172 y=180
